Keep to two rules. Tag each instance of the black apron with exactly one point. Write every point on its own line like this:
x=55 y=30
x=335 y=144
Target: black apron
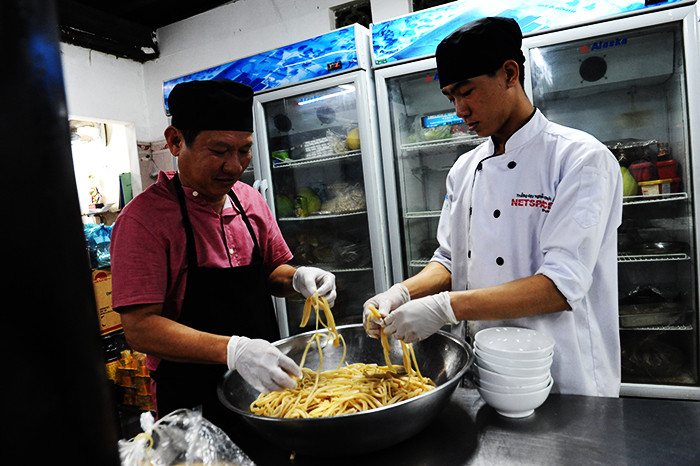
x=224 y=301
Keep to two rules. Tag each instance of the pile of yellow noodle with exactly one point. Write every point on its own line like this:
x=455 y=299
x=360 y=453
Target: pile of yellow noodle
x=348 y=389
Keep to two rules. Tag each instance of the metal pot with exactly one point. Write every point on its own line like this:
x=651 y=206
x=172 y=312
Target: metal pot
x=442 y=357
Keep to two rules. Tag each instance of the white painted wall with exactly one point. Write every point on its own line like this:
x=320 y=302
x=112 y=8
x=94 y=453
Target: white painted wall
x=101 y=87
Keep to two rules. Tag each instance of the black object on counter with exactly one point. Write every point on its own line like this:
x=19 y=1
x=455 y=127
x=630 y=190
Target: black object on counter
x=56 y=399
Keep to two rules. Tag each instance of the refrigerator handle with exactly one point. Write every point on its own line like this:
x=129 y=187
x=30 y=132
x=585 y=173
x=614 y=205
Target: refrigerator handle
x=261 y=185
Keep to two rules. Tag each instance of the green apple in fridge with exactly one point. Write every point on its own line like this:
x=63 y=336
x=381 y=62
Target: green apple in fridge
x=285 y=206
x=307 y=202
x=629 y=184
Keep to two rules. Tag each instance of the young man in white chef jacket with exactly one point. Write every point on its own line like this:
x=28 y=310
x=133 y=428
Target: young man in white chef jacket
x=528 y=230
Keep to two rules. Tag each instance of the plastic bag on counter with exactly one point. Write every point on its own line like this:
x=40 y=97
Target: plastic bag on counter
x=183 y=437
x=98 y=237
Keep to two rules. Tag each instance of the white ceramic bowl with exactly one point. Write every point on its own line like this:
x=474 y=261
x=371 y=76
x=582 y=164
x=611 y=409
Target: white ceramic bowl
x=514 y=342
x=515 y=405
x=519 y=371
x=513 y=389
x=507 y=380
x=486 y=356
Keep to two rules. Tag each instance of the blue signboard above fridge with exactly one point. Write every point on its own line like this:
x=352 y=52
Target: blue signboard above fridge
x=332 y=53
x=416 y=35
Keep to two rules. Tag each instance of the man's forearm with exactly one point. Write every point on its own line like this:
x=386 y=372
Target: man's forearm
x=519 y=298
x=280 y=280
x=149 y=332
x=433 y=279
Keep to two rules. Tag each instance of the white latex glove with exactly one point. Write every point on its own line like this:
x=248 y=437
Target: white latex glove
x=261 y=364
x=384 y=303
x=308 y=280
x=420 y=318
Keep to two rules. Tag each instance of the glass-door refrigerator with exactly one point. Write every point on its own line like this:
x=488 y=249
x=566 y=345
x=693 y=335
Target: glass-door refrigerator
x=318 y=149
x=624 y=71
x=633 y=83
x=421 y=138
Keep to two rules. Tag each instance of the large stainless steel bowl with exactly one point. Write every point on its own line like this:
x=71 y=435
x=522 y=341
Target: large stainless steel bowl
x=442 y=357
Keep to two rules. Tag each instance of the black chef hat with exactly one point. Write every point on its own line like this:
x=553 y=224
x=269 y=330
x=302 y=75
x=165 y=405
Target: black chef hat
x=221 y=104
x=479 y=47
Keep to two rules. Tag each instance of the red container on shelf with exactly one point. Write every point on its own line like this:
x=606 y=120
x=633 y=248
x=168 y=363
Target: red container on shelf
x=642 y=171
x=667 y=169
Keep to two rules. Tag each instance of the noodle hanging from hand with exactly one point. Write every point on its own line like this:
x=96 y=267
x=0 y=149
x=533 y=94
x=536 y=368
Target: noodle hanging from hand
x=348 y=389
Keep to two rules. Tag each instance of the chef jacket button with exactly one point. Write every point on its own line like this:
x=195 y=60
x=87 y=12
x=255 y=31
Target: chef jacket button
x=469 y=254
x=511 y=165
x=496 y=213
x=499 y=260
x=470 y=211
x=478 y=167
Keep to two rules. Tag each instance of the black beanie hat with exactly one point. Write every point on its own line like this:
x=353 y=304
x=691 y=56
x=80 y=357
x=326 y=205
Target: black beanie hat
x=479 y=47
x=221 y=104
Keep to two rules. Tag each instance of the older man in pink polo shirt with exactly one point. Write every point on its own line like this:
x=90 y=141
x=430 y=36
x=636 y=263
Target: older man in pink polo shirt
x=197 y=256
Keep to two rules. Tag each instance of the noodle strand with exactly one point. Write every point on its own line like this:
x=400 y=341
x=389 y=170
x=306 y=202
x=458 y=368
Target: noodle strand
x=347 y=389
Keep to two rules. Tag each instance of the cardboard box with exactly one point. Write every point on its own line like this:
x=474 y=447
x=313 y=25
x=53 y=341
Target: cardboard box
x=110 y=320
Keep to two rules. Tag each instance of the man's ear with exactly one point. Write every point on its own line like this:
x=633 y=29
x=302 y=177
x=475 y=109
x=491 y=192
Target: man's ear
x=512 y=72
x=174 y=140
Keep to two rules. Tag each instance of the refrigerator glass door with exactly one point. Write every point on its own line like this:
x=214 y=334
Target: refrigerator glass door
x=316 y=165
x=628 y=88
x=428 y=138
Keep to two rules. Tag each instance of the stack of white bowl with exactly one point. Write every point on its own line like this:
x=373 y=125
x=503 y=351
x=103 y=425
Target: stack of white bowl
x=513 y=369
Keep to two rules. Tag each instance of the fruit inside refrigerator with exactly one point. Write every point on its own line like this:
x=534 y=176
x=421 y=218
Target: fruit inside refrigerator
x=629 y=89
x=313 y=141
x=428 y=138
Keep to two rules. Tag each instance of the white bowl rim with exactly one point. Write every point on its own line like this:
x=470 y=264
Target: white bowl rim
x=515 y=378
x=548 y=352
x=517 y=355
x=480 y=353
x=522 y=371
x=547 y=344
x=520 y=389
x=548 y=387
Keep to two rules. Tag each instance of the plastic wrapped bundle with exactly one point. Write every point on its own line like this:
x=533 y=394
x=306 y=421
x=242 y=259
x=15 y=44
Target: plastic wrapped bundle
x=98 y=237
x=182 y=437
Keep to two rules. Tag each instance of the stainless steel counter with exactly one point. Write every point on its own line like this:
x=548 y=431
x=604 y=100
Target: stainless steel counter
x=565 y=430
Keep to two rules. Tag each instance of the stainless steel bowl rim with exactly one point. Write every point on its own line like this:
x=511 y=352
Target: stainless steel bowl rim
x=444 y=386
